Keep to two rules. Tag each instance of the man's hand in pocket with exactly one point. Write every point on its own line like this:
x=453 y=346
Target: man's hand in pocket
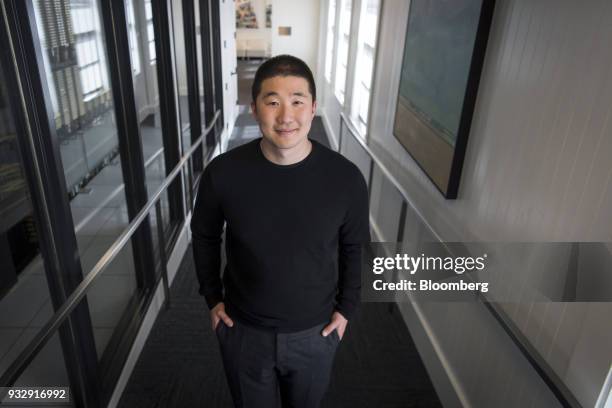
x=217 y=314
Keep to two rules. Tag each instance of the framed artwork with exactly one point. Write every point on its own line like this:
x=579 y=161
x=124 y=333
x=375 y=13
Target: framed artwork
x=443 y=55
x=268 y=16
x=245 y=15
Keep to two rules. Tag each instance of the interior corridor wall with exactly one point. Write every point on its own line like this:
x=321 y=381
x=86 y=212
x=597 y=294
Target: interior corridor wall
x=303 y=18
x=329 y=106
x=227 y=15
x=536 y=169
x=145 y=82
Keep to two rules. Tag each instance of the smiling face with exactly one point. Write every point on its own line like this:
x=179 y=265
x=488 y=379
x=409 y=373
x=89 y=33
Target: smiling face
x=284 y=110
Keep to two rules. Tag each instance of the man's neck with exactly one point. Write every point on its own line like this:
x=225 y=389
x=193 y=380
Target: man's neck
x=285 y=157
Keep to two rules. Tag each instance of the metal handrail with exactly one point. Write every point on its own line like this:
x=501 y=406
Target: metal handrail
x=550 y=378
x=33 y=348
x=384 y=169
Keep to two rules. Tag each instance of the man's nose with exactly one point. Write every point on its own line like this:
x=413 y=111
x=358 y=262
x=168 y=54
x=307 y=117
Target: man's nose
x=284 y=115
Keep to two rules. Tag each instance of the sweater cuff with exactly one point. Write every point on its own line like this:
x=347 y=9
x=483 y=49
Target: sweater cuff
x=213 y=299
x=347 y=310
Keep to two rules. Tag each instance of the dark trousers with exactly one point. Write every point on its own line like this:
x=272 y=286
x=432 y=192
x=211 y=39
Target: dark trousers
x=265 y=369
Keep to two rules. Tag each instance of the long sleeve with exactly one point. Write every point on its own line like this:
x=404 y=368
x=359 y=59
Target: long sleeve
x=354 y=233
x=206 y=227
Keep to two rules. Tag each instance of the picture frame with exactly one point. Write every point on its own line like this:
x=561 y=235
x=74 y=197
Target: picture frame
x=440 y=73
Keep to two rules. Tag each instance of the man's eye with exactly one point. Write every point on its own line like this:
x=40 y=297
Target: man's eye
x=273 y=103
x=298 y=102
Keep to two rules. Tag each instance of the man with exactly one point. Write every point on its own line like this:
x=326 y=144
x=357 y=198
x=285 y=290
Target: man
x=296 y=216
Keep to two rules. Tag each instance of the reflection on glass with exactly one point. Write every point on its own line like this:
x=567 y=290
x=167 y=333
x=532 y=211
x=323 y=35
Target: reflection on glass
x=150 y=31
x=47 y=369
x=146 y=92
x=132 y=38
x=181 y=72
x=365 y=64
x=200 y=67
x=196 y=164
x=111 y=298
x=76 y=67
x=331 y=35
x=343 y=48
x=25 y=301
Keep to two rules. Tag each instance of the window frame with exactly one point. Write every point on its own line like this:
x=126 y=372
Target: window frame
x=365 y=48
x=91 y=36
x=330 y=40
x=339 y=89
x=132 y=21
x=150 y=32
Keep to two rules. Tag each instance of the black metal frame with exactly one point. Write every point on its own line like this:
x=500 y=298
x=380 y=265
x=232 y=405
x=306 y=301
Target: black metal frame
x=467 y=109
x=128 y=129
x=191 y=60
x=91 y=382
x=134 y=176
x=209 y=75
x=215 y=19
x=167 y=106
x=549 y=377
x=76 y=297
x=39 y=145
x=195 y=116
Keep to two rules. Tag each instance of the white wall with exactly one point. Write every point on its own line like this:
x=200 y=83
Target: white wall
x=537 y=168
x=303 y=18
x=228 y=68
x=537 y=163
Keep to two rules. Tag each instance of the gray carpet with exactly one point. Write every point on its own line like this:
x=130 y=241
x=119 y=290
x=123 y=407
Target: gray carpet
x=377 y=364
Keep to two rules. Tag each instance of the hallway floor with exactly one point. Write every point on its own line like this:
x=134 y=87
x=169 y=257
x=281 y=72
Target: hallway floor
x=377 y=364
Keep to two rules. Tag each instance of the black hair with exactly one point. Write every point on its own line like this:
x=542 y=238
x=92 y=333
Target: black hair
x=283 y=65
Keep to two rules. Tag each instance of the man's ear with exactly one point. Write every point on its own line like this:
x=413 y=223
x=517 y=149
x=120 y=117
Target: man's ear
x=314 y=108
x=254 y=110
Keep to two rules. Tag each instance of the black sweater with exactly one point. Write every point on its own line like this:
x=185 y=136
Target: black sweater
x=293 y=237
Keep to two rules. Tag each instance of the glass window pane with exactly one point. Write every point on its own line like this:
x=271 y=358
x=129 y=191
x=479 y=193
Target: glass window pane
x=364 y=97
x=89 y=145
x=47 y=369
x=365 y=64
x=114 y=294
x=25 y=299
x=148 y=11
x=180 y=64
x=132 y=36
x=150 y=32
x=196 y=163
x=200 y=67
x=152 y=56
x=331 y=21
x=342 y=61
x=146 y=91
